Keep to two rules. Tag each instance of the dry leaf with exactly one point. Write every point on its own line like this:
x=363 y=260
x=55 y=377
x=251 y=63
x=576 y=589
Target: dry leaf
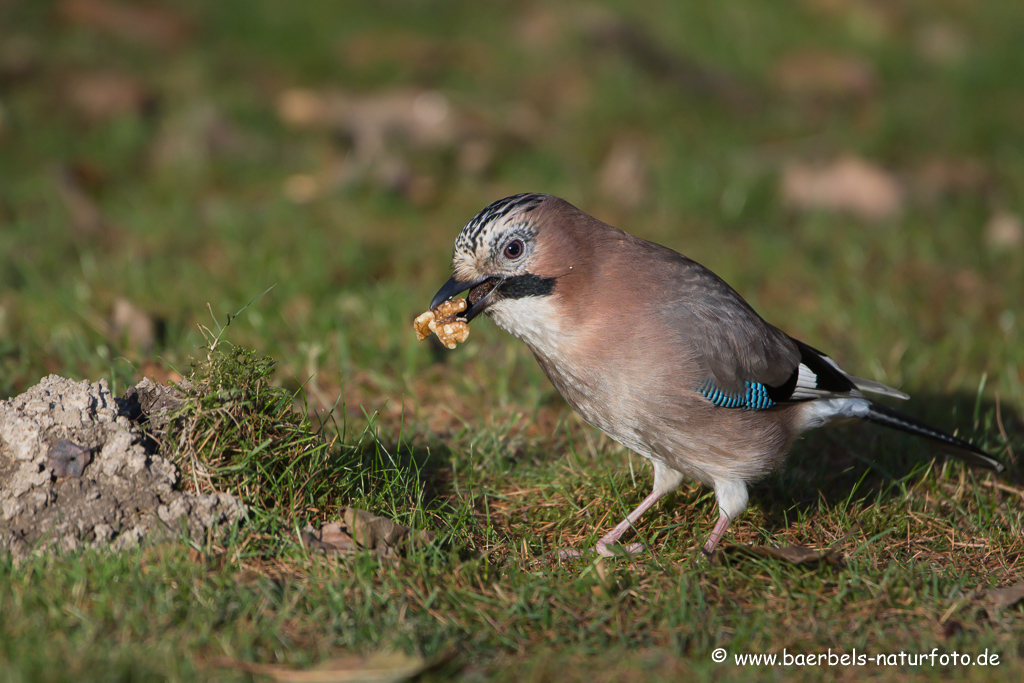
x=332 y=537
x=147 y=24
x=624 y=175
x=359 y=530
x=539 y=28
x=476 y=156
x=385 y=129
x=941 y=43
x=106 y=95
x=129 y=321
x=1007 y=597
x=423 y=56
x=420 y=118
x=939 y=177
x=19 y=58
x=87 y=221
x=851 y=185
x=1004 y=230
x=824 y=74
x=301 y=188
x=380 y=667
x=193 y=136
x=794 y=554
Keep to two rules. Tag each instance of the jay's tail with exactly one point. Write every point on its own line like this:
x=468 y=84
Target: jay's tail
x=969 y=453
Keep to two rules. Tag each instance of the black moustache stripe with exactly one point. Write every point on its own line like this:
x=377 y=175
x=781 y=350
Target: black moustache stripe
x=520 y=286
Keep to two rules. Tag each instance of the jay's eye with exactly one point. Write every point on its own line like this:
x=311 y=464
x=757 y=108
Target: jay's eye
x=514 y=249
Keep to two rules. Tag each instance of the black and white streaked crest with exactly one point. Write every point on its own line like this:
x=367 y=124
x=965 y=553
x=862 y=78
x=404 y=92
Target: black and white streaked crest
x=468 y=240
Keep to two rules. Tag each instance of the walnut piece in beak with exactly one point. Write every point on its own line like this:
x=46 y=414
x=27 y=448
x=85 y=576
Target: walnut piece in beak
x=443 y=321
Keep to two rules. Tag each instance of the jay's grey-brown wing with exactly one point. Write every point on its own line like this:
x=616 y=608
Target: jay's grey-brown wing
x=731 y=342
x=743 y=360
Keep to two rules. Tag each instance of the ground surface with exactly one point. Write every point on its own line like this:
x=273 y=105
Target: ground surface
x=854 y=168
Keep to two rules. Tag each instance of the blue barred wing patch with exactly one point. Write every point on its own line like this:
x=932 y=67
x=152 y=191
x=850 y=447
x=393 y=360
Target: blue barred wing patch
x=755 y=397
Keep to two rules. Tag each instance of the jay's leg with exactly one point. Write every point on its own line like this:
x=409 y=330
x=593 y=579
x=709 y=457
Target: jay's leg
x=732 y=499
x=666 y=480
x=716 y=534
x=612 y=537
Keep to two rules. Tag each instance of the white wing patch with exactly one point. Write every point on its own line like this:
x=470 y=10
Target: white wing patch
x=806 y=384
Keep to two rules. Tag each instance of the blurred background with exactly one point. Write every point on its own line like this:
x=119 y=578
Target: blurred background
x=853 y=167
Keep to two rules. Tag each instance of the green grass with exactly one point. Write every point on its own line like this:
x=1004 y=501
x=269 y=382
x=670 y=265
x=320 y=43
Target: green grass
x=475 y=444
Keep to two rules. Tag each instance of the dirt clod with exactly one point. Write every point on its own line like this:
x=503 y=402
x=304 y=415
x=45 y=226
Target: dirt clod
x=67 y=459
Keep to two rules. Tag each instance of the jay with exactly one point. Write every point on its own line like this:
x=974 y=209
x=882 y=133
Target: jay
x=658 y=352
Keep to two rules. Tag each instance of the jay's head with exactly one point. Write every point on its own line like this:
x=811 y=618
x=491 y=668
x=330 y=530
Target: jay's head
x=506 y=254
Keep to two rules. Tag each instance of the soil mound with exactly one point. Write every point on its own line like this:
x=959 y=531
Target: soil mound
x=77 y=469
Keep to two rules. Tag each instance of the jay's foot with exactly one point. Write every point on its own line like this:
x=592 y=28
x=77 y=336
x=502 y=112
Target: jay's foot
x=604 y=550
x=616 y=549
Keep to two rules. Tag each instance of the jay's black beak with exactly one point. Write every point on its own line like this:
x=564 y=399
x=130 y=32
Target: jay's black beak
x=478 y=298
